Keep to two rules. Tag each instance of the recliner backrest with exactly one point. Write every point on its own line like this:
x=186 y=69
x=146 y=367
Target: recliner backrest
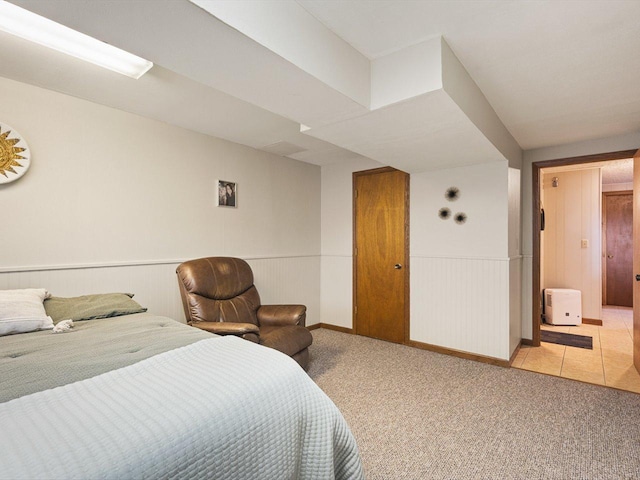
x=218 y=289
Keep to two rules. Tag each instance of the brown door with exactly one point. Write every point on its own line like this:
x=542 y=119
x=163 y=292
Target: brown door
x=636 y=260
x=618 y=248
x=381 y=254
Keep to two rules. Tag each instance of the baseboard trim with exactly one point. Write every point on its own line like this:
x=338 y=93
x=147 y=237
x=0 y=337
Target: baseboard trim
x=426 y=346
x=335 y=328
x=314 y=326
x=458 y=353
x=592 y=321
x=526 y=341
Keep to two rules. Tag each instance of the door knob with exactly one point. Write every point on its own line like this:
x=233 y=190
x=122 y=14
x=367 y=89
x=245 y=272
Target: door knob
x=397 y=266
x=609 y=256
x=637 y=278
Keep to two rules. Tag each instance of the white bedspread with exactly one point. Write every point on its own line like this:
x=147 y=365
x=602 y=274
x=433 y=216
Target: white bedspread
x=222 y=408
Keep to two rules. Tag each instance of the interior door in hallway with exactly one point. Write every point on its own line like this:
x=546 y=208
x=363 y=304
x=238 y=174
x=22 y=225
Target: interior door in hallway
x=618 y=228
x=381 y=254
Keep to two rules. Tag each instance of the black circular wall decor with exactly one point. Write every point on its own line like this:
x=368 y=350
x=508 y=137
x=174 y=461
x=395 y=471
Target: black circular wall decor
x=452 y=194
x=444 y=213
x=460 y=218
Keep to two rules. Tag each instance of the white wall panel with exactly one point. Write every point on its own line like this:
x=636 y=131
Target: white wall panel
x=337 y=290
x=461 y=303
x=289 y=280
x=279 y=280
x=573 y=214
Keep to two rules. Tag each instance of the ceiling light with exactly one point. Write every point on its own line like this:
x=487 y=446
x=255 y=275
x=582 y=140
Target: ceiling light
x=25 y=24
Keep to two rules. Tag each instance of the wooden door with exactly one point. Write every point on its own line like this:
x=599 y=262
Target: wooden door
x=636 y=260
x=381 y=254
x=618 y=248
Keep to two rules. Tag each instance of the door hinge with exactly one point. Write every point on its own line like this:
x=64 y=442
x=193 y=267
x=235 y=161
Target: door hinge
x=356 y=251
x=355 y=194
x=355 y=309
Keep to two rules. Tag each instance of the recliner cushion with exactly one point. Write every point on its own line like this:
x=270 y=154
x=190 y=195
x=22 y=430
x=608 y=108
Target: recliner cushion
x=240 y=309
x=219 y=278
x=289 y=339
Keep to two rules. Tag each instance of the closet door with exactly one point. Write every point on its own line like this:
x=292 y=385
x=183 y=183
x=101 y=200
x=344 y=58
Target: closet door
x=381 y=254
x=618 y=243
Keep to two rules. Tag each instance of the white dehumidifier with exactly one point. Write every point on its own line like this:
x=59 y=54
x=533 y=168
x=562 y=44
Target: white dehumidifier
x=563 y=306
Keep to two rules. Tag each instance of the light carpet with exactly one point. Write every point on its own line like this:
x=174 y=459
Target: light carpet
x=421 y=415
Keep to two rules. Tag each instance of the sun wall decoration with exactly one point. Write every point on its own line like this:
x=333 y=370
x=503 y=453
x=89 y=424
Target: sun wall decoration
x=15 y=157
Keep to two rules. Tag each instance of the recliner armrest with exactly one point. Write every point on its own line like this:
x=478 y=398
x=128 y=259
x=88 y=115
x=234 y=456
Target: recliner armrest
x=280 y=315
x=227 y=328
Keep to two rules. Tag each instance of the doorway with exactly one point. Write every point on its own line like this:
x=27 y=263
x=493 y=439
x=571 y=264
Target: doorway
x=617 y=363
x=537 y=223
x=381 y=254
x=612 y=356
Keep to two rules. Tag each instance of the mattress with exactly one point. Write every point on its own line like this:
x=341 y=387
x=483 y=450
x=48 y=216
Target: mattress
x=166 y=401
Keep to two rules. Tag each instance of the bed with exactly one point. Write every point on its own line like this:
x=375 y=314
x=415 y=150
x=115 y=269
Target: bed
x=144 y=396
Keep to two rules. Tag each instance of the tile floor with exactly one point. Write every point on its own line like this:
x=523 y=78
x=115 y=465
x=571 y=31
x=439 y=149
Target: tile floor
x=610 y=362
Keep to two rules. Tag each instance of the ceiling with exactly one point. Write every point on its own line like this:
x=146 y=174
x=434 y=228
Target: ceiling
x=413 y=84
x=617 y=171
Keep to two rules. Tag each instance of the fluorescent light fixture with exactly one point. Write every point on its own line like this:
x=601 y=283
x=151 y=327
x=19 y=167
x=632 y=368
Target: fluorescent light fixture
x=25 y=24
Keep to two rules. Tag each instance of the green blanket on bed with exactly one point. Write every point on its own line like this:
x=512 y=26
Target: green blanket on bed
x=31 y=362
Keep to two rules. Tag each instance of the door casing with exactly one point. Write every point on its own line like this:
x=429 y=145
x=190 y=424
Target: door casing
x=636 y=260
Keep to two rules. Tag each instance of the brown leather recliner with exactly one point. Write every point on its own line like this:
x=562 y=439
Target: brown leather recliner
x=219 y=296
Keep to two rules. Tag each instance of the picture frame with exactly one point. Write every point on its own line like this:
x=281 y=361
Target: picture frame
x=227 y=194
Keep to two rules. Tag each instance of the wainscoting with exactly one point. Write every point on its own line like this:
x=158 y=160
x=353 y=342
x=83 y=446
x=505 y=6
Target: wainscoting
x=461 y=304
x=337 y=291
x=294 y=279
x=465 y=304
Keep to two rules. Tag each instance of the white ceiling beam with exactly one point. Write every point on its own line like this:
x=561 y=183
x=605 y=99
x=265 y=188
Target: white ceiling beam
x=288 y=30
x=427 y=113
x=463 y=90
x=407 y=73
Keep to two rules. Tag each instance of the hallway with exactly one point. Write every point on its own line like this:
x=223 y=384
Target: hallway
x=610 y=362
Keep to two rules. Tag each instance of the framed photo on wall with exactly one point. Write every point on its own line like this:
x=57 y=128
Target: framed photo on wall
x=227 y=194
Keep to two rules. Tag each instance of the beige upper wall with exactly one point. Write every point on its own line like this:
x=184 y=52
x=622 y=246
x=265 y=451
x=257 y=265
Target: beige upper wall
x=108 y=186
x=483 y=197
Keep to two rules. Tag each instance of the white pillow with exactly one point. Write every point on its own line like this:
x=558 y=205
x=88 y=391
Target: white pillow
x=23 y=311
